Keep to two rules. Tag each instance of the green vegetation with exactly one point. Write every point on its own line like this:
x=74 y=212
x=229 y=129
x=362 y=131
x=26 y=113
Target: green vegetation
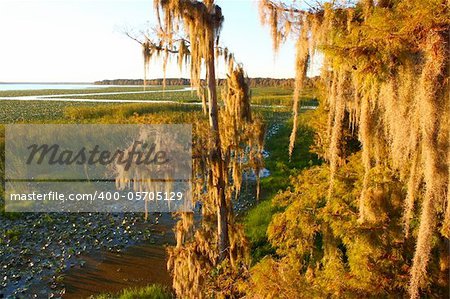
x=281 y=170
x=271 y=91
x=36 y=111
x=40 y=110
x=260 y=96
x=149 y=292
x=374 y=220
x=256 y=223
x=12 y=235
x=45 y=111
x=42 y=92
x=279 y=164
x=13 y=111
x=282 y=96
x=122 y=111
x=180 y=96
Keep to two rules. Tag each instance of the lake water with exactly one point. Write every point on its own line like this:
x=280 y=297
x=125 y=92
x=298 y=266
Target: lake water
x=37 y=86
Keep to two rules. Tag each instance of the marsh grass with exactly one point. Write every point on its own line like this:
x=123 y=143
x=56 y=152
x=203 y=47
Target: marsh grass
x=124 y=111
x=43 y=111
x=40 y=92
x=282 y=96
x=183 y=96
x=36 y=111
x=278 y=162
x=281 y=168
x=149 y=292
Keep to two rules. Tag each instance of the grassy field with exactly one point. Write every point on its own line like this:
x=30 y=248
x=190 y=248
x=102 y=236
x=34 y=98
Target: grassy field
x=41 y=92
x=14 y=111
x=181 y=96
x=40 y=110
x=281 y=96
x=260 y=95
x=281 y=168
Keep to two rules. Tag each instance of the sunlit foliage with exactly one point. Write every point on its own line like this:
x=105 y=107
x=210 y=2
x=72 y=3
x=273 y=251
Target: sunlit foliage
x=385 y=75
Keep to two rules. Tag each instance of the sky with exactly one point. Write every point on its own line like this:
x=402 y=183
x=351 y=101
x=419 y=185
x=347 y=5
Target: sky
x=83 y=41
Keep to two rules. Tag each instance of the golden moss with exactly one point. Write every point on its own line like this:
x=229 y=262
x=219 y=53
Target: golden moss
x=396 y=95
x=229 y=146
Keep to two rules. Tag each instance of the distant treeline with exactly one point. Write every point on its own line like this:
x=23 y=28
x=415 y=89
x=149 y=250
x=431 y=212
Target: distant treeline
x=169 y=81
x=254 y=82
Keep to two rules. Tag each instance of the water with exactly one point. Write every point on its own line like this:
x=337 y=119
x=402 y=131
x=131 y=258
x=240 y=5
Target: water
x=110 y=272
x=40 y=86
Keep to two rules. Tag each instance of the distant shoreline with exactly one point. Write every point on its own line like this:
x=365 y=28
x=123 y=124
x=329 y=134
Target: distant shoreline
x=253 y=82
x=53 y=83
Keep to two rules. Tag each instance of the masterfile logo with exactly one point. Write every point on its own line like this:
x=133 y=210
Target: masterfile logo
x=98 y=168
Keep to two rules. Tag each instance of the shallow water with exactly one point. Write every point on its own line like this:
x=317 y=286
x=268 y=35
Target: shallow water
x=136 y=266
x=111 y=272
x=139 y=265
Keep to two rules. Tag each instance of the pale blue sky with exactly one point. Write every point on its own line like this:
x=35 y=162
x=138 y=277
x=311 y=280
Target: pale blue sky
x=81 y=41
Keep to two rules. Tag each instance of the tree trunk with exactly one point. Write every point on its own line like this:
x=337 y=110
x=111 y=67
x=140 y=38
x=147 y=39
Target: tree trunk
x=216 y=152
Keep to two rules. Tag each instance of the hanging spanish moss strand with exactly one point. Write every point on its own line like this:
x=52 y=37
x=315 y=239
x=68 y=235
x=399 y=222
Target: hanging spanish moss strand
x=301 y=69
x=365 y=137
x=446 y=225
x=412 y=189
x=147 y=53
x=432 y=102
x=336 y=131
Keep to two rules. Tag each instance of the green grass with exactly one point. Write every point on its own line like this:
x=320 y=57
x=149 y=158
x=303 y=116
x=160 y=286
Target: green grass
x=149 y=292
x=256 y=222
x=13 y=111
x=279 y=163
x=11 y=234
x=272 y=91
x=18 y=93
x=48 y=111
x=42 y=111
x=260 y=96
x=36 y=111
x=281 y=96
x=281 y=169
x=123 y=111
x=183 y=96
